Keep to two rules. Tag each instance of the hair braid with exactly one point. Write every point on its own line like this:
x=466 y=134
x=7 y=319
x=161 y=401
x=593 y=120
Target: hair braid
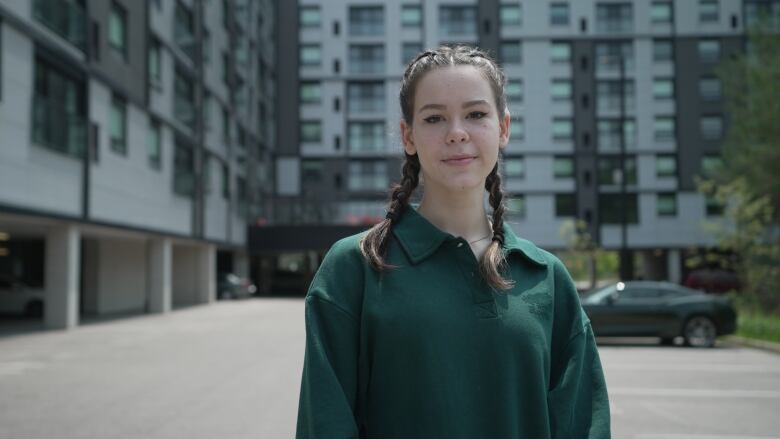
x=493 y=261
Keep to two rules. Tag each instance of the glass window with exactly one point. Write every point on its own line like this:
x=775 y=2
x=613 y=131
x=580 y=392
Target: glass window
x=711 y=127
x=155 y=66
x=662 y=50
x=665 y=165
x=562 y=128
x=709 y=11
x=184 y=30
x=368 y=175
x=510 y=14
x=608 y=95
x=311 y=171
x=514 y=167
x=365 y=97
x=225 y=181
x=510 y=52
x=664 y=128
x=609 y=134
x=711 y=165
x=517 y=128
x=311 y=54
x=565 y=205
x=712 y=207
x=68 y=19
x=514 y=90
x=610 y=173
x=206 y=46
x=367 y=136
x=661 y=12
x=560 y=52
x=311 y=131
x=611 y=208
x=310 y=16
x=409 y=51
x=367 y=58
x=154 y=145
x=118 y=125
x=559 y=14
x=709 y=51
x=311 y=92
x=59 y=110
x=411 y=15
x=515 y=205
x=563 y=167
x=609 y=55
x=183 y=169
x=561 y=90
x=614 y=17
x=184 y=100
x=663 y=88
x=709 y=88
x=457 y=20
x=117 y=30
x=366 y=20
x=666 y=204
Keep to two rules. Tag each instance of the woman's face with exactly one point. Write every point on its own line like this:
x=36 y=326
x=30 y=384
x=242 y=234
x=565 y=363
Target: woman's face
x=456 y=131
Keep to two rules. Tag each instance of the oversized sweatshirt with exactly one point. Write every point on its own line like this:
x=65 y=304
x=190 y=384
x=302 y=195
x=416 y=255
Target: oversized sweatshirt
x=429 y=350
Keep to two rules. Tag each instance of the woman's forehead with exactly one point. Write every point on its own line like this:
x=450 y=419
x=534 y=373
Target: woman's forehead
x=453 y=85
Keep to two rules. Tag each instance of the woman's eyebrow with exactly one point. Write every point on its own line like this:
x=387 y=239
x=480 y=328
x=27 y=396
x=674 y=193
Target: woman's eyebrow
x=443 y=107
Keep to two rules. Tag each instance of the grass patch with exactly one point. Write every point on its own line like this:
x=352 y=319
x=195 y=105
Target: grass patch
x=758 y=325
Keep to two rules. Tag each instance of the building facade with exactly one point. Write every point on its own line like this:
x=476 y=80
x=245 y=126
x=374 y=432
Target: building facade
x=136 y=140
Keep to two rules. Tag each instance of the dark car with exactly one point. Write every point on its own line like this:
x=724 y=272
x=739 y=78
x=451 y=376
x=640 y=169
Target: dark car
x=231 y=286
x=659 y=309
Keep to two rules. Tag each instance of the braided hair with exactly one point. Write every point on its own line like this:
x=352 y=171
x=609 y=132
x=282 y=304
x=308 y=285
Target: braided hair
x=373 y=245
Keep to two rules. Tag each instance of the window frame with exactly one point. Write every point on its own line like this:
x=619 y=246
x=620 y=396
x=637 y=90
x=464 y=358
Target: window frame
x=117 y=11
x=118 y=145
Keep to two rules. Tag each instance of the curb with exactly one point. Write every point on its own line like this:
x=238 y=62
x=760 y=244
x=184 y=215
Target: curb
x=736 y=340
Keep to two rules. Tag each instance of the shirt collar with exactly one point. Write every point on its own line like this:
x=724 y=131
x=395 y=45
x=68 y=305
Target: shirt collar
x=420 y=239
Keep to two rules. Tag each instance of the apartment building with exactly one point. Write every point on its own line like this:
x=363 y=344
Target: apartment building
x=615 y=105
x=135 y=138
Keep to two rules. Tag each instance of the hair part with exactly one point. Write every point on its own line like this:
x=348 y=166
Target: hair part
x=373 y=246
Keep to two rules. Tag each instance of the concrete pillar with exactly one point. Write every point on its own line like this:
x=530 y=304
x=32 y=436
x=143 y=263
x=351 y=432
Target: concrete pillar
x=63 y=253
x=160 y=275
x=673 y=265
x=207 y=273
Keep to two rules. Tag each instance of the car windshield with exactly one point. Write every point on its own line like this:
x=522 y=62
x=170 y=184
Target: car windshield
x=598 y=295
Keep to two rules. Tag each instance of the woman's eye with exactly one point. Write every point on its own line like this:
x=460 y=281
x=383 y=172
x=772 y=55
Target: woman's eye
x=477 y=115
x=432 y=119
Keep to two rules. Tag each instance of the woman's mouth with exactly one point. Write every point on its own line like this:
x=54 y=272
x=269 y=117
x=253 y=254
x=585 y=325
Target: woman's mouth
x=459 y=160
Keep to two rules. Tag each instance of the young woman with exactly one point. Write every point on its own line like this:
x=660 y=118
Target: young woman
x=439 y=322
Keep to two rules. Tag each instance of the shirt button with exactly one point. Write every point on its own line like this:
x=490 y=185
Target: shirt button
x=460 y=244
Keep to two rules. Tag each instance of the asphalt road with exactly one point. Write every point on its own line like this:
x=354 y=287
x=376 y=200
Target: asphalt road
x=232 y=370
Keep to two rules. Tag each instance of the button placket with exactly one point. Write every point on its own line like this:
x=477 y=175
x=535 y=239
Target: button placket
x=482 y=298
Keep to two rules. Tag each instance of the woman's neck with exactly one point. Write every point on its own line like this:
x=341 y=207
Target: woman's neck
x=459 y=215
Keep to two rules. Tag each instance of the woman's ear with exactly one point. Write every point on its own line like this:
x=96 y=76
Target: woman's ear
x=406 y=137
x=504 y=124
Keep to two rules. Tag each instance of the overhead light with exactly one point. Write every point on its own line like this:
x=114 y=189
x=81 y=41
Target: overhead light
x=4 y=236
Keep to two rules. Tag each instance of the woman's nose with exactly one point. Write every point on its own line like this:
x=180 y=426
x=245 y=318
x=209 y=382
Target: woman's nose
x=457 y=134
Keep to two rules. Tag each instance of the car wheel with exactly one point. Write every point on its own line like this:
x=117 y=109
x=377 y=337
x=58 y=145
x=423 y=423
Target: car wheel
x=700 y=332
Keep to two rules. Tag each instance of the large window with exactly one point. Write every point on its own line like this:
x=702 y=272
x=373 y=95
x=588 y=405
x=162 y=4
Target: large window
x=661 y=12
x=510 y=52
x=515 y=206
x=117 y=30
x=610 y=173
x=562 y=128
x=366 y=20
x=183 y=169
x=66 y=18
x=614 y=17
x=517 y=128
x=154 y=144
x=365 y=97
x=309 y=16
x=565 y=205
x=367 y=58
x=118 y=125
x=612 y=207
x=711 y=127
x=663 y=88
x=514 y=167
x=666 y=165
x=514 y=91
x=155 y=63
x=563 y=167
x=368 y=175
x=711 y=165
x=560 y=52
x=184 y=30
x=561 y=90
x=457 y=20
x=609 y=134
x=310 y=55
x=559 y=14
x=411 y=16
x=59 y=110
x=608 y=95
x=709 y=11
x=609 y=55
x=666 y=204
x=311 y=92
x=662 y=50
x=510 y=14
x=709 y=88
x=311 y=131
x=709 y=51
x=366 y=136
x=409 y=50
x=184 y=100
x=664 y=128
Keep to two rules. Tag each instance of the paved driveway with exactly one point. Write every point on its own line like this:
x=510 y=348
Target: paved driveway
x=232 y=370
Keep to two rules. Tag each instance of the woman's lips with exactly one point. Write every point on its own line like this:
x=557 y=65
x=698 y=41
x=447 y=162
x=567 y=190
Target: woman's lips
x=459 y=161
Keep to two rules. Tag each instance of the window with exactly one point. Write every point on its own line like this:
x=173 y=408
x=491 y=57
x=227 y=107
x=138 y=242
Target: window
x=409 y=51
x=310 y=17
x=118 y=125
x=59 y=110
x=610 y=173
x=206 y=46
x=366 y=97
x=226 y=131
x=711 y=165
x=609 y=134
x=184 y=100
x=366 y=20
x=208 y=103
x=563 y=167
x=560 y=52
x=514 y=167
x=457 y=20
x=562 y=128
x=709 y=11
x=368 y=176
x=561 y=90
x=510 y=52
x=311 y=131
x=711 y=127
x=183 y=169
x=559 y=14
x=311 y=55
x=225 y=181
x=311 y=92
x=665 y=165
x=565 y=205
x=663 y=88
x=517 y=128
x=712 y=207
x=662 y=50
x=67 y=19
x=514 y=90
x=515 y=205
x=709 y=88
x=709 y=51
x=661 y=12
x=666 y=204
x=612 y=207
x=208 y=162
x=608 y=95
x=663 y=128
x=367 y=58
x=154 y=144
x=411 y=16
x=366 y=136
x=609 y=55
x=184 y=30
x=311 y=172
x=226 y=68
x=117 y=30
x=614 y=17
x=510 y=15
x=155 y=66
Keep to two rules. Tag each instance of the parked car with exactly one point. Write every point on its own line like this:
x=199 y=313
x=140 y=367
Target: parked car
x=20 y=299
x=659 y=309
x=232 y=286
x=712 y=281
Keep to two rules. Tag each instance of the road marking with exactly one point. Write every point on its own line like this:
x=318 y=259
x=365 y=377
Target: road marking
x=694 y=393
x=698 y=436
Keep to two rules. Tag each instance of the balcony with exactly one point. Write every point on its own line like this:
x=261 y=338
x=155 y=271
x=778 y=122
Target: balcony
x=57 y=128
x=66 y=18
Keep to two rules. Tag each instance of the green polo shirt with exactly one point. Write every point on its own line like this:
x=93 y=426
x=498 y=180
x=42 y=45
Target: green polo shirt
x=429 y=350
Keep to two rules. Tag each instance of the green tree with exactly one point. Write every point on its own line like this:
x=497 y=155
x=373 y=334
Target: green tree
x=578 y=241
